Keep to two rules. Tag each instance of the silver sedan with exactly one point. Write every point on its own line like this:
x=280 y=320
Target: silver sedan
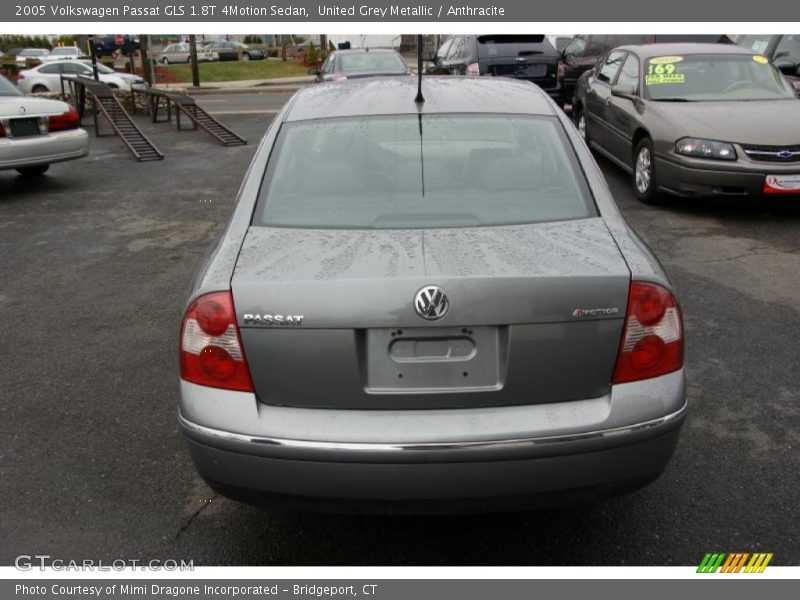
x=449 y=314
x=35 y=132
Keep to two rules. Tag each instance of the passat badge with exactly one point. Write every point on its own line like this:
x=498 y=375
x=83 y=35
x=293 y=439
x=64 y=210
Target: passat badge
x=268 y=320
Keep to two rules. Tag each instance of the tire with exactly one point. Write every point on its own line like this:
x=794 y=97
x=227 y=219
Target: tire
x=644 y=172
x=579 y=117
x=39 y=89
x=33 y=171
x=245 y=56
x=165 y=61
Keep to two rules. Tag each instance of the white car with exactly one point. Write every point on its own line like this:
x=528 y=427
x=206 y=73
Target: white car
x=47 y=76
x=35 y=132
x=180 y=53
x=37 y=53
x=62 y=52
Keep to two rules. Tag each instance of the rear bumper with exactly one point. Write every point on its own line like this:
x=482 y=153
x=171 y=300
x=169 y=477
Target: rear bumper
x=687 y=177
x=468 y=459
x=31 y=151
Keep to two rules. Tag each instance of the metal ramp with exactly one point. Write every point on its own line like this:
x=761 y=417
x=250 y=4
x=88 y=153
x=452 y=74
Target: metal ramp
x=158 y=99
x=104 y=101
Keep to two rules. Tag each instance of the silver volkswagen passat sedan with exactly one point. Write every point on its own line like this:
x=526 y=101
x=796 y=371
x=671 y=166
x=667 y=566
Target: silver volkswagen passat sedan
x=446 y=313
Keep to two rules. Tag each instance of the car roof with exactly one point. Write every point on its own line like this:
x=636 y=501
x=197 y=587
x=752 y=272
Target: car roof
x=649 y=50
x=395 y=95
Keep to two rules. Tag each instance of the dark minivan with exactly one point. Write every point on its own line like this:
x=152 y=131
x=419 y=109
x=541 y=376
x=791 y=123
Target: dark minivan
x=582 y=52
x=528 y=57
x=782 y=50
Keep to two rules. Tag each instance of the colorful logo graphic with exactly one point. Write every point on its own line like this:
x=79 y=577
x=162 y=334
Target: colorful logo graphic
x=734 y=562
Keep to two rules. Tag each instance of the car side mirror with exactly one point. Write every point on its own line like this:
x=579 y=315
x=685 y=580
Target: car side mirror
x=313 y=71
x=624 y=91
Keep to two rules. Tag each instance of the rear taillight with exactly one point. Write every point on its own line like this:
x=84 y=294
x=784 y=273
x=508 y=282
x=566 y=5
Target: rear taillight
x=473 y=69
x=211 y=349
x=652 y=340
x=64 y=121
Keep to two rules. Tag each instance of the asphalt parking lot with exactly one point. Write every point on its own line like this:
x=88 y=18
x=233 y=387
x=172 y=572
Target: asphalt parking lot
x=96 y=260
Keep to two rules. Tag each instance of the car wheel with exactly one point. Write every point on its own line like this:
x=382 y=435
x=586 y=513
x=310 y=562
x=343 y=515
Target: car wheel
x=165 y=61
x=33 y=171
x=644 y=172
x=580 y=124
x=39 y=89
x=245 y=56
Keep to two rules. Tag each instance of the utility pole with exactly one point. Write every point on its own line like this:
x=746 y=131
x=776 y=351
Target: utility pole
x=93 y=56
x=193 y=60
x=323 y=43
x=144 y=51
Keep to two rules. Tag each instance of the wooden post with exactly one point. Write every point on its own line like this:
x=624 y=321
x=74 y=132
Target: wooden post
x=193 y=60
x=147 y=67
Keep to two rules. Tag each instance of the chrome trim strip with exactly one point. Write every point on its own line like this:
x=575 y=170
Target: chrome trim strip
x=423 y=447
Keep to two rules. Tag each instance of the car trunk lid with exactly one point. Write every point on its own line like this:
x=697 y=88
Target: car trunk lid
x=328 y=317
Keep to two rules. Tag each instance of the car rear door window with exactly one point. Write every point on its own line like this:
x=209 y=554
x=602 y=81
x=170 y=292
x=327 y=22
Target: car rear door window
x=610 y=67
x=422 y=172
x=575 y=47
x=51 y=69
x=444 y=49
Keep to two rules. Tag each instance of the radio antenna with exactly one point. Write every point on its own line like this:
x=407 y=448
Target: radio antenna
x=419 y=99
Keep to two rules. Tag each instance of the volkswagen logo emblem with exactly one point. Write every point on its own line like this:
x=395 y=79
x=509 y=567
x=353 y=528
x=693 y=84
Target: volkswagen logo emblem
x=431 y=303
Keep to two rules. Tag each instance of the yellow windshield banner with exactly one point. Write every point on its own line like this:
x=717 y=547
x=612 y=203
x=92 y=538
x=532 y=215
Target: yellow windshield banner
x=665 y=60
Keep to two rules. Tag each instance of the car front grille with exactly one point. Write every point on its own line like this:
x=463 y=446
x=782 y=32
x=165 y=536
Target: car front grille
x=779 y=154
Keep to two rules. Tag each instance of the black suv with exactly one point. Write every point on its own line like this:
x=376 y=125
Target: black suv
x=107 y=45
x=583 y=51
x=528 y=57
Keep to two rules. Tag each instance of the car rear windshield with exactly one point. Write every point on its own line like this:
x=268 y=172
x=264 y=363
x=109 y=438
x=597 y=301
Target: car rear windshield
x=516 y=45
x=714 y=77
x=416 y=171
x=373 y=61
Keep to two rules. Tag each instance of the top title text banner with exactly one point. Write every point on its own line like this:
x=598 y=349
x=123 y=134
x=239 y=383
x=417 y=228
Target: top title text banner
x=294 y=11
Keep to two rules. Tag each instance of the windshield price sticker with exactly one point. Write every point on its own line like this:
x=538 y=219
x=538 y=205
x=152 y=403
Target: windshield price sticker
x=762 y=60
x=662 y=70
x=665 y=60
